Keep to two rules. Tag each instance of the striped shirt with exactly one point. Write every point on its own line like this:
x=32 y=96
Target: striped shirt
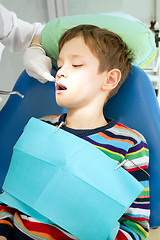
x=119 y=143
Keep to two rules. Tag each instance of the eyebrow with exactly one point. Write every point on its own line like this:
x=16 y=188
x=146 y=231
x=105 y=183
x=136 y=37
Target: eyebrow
x=72 y=56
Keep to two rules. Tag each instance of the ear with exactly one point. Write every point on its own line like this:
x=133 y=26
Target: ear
x=112 y=79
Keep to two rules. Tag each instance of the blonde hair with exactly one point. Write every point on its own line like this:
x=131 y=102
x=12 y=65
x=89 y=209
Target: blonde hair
x=107 y=46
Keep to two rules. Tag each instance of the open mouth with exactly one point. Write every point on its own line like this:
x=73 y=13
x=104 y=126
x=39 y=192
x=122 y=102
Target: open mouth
x=60 y=86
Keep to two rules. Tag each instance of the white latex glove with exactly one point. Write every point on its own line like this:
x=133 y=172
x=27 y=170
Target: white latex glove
x=37 y=64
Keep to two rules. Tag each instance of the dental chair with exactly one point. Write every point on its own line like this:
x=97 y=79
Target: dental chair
x=135 y=105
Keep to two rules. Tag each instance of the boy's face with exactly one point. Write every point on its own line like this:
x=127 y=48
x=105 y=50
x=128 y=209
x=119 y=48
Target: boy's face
x=78 y=72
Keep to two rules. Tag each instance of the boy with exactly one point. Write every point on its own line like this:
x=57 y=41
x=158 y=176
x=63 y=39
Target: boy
x=92 y=65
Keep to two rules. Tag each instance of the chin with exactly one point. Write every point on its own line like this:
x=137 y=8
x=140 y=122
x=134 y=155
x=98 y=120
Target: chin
x=66 y=105
x=62 y=104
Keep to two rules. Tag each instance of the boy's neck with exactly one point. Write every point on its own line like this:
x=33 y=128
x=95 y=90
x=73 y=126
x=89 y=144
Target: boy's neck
x=82 y=119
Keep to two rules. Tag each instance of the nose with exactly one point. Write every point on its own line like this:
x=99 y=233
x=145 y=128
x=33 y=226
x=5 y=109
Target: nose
x=61 y=73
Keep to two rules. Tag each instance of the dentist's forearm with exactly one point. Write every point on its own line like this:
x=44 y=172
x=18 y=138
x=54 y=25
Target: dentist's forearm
x=16 y=34
x=36 y=39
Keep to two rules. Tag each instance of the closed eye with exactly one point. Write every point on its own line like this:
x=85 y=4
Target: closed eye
x=58 y=68
x=77 y=65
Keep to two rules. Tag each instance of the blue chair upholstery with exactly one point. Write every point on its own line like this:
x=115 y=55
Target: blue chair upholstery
x=135 y=105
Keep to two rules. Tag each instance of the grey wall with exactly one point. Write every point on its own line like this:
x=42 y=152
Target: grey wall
x=141 y=9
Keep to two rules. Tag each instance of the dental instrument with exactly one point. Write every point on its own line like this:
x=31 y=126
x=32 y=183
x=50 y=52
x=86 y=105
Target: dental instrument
x=11 y=92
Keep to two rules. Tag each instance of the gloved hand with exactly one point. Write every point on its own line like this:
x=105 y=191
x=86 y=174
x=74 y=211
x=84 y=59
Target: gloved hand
x=37 y=64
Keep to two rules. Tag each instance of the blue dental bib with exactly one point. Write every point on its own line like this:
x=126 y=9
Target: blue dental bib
x=59 y=178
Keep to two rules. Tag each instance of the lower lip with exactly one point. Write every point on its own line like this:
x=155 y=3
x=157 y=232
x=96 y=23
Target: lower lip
x=60 y=91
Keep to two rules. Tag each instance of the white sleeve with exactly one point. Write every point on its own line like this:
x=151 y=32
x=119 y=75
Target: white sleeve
x=16 y=34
